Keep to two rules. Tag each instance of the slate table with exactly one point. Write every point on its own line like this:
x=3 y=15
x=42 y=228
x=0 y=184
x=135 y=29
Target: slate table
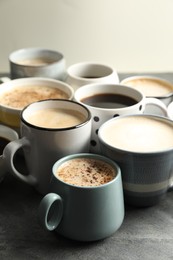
x=145 y=234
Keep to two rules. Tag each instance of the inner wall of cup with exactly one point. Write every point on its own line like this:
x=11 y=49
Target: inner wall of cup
x=35 y=53
x=90 y=70
x=55 y=103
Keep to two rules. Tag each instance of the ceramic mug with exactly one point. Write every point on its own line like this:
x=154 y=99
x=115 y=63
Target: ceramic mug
x=50 y=129
x=80 y=211
x=37 y=62
x=151 y=86
x=83 y=73
x=142 y=145
x=106 y=101
x=18 y=93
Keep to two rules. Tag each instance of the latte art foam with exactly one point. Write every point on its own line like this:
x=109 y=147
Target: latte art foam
x=139 y=134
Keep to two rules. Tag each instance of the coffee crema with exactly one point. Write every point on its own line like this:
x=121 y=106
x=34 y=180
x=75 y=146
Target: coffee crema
x=19 y=97
x=109 y=100
x=139 y=134
x=35 y=61
x=55 y=118
x=86 y=172
x=150 y=87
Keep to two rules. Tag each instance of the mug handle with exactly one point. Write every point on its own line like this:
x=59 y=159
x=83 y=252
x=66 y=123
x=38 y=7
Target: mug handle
x=157 y=103
x=50 y=211
x=8 y=155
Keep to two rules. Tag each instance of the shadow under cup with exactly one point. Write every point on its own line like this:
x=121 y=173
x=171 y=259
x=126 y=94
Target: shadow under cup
x=146 y=173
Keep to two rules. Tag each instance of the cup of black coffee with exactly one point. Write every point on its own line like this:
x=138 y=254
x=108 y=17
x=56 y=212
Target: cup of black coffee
x=106 y=101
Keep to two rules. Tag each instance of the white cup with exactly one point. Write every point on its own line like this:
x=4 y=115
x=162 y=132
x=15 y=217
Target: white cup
x=37 y=62
x=45 y=144
x=102 y=113
x=83 y=73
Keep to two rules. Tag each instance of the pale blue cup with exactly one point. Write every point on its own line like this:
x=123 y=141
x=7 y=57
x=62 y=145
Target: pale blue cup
x=83 y=213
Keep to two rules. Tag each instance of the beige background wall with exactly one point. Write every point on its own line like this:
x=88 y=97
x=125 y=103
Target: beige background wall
x=130 y=35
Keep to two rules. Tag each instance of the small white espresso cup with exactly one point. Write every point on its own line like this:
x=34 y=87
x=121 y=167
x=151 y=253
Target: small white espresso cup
x=37 y=62
x=50 y=129
x=83 y=73
x=106 y=101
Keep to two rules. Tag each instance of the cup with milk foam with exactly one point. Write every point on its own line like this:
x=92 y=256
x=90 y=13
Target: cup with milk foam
x=142 y=145
x=50 y=129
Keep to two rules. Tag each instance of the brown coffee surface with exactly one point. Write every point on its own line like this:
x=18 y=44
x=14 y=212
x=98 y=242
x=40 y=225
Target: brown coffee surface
x=109 y=100
x=86 y=172
x=19 y=97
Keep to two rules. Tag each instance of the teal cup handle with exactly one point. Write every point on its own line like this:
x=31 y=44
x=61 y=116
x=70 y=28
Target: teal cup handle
x=51 y=211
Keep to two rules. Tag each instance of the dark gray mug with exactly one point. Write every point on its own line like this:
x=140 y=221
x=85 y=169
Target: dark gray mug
x=84 y=213
x=142 y=145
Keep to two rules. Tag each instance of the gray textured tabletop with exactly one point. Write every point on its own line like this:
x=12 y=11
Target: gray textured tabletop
x=145 y=234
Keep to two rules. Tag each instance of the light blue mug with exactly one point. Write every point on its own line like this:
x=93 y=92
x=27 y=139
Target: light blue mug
x=83 y=213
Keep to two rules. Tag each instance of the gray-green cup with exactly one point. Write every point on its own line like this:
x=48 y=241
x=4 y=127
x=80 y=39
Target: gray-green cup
x=83 y=213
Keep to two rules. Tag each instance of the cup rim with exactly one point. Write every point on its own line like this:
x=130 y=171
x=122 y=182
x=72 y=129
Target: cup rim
x=92 y=156
x=28 y=51
x=71 y=68
x=30 y=81
x=55 y=129
x=90 y=86
x=151 y=153
x=150 y=77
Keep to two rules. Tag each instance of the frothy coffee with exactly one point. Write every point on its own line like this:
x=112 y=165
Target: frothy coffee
x=19 y=97
x=35 y=61
x=86 y=172
x=150 y=87
x=139 y=134
x=55 y=118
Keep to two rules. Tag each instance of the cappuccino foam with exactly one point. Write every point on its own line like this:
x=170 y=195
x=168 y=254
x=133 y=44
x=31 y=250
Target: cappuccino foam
x=86 y=172
x=151 y=87
x=139 y=134
x=55 y=118
x=19 y=97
